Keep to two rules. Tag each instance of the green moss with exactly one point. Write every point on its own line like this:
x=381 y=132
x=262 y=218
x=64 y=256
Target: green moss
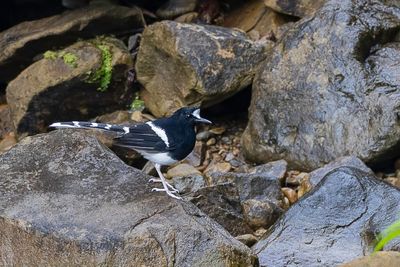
x=391 y=232
x=50 y=55
x=104 y=73
x=68 y=57
x=137 y=104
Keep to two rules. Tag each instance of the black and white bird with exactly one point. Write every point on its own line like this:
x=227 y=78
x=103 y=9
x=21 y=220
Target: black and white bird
x=163 y=141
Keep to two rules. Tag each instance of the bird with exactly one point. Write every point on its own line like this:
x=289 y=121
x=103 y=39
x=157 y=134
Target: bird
x=163 y=141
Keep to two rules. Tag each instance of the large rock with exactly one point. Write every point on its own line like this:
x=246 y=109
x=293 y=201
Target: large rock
x=64 y=91
x=66 y=200
x=378 y=259
x=19 y=44
x=330 y=88
x=333 y=224
x=298 y=8
x=186 y=64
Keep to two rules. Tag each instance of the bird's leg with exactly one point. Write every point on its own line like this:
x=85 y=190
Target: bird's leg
x=154 y=180
x=162 y=178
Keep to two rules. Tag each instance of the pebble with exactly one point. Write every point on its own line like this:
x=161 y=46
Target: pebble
x=211 y=141
x=137 y=116
x=260 y=232
x=218 y=167
x=395 y=181
x=229 y=156
x=225 y=140
x=295 y=180
x=260 y=213
x=247 y=239
x=182 y=170
x=8 y=141
x=218 y=130
x=235 y=163
x=203 y=136
x=290 y=194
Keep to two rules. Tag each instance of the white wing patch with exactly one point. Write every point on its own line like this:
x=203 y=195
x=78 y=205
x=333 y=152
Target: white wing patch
x=160 y=132
x=61 y=125
x=126 y=129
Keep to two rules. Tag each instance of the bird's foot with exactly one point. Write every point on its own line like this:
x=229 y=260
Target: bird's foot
x=154 y=180
x=166 y=190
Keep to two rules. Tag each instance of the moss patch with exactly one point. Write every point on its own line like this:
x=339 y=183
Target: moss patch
x=104 y=73
x=69 y=58
x=137 y=104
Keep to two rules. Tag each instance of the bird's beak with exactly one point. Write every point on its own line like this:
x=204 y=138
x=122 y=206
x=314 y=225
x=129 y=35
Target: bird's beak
x=199 y=119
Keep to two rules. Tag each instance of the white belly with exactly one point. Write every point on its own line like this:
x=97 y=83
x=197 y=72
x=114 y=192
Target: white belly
x=160 y=158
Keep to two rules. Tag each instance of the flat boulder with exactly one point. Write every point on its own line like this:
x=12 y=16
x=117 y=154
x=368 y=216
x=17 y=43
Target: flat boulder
x=335 y=223
x=21 y=43
x=66 y=200
x=77 y=83
x=182 y=64
x=330 y=88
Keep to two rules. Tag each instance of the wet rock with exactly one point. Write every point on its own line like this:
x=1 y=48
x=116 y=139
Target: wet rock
x=253 y=16
x=274 y=169
x=5 y=120
x=260 y=213
x=174 y=8
x=298 y=8
x=259 y=186
x=378 y=259
x=333 y=224
x=344 y=103
x=109 y=216
x=221 y=202
x=67 y=92
x=247 y=239
x=186 y=64
x=21 y=43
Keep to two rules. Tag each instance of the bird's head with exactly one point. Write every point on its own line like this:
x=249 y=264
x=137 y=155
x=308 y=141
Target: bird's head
x=191 y=115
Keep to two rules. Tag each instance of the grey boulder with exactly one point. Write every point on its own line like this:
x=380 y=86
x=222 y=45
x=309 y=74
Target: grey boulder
x=66 y=200
x=334 y=223
x=187 y=64
x=330 y=88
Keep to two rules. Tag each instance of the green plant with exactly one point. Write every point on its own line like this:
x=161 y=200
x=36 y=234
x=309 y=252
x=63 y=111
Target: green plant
x=104 y=73
x=391 y=232
x=137 y=104
x=68 y=57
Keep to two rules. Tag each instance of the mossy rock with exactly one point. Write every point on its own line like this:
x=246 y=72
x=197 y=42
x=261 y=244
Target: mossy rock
x=66 y=89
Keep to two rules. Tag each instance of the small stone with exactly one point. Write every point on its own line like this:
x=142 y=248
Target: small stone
x=218 y=167
x=203 y=136
x=8 y=142
x=260 y=213
x=296 y=179
x=189 y=183
x=218 y=130
x=286 y=203
x=188 y=17
x=290 y=194
x=235 y=151
x=398 y=173
x=304 y=187
x=247 y=239
x=211 y=142
x=380 y=175
x=137 y=116
x=260 y=232
x=235 y=163
x=182 y=170
x=229 y=157
x=226 y=140
x=395 y=181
